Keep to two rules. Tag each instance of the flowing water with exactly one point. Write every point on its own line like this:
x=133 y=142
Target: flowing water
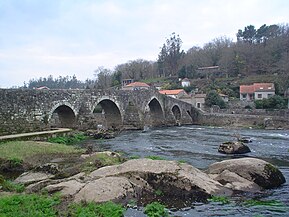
x=198 y=146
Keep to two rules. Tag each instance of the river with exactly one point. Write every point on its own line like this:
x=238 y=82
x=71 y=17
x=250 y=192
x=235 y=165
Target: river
x=198 y=146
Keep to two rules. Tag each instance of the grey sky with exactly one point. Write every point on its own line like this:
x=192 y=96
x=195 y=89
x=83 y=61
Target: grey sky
x=64 y=37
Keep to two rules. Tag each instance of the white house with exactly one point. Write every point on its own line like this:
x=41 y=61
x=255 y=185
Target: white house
x=186 y=82
x=257 y=91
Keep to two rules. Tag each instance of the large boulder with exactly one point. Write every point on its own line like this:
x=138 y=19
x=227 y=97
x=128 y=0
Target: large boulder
x=235 y=172
x=139 y=179
x=233 y=148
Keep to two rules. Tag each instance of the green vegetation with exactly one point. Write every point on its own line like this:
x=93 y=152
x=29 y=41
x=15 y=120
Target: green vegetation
x=274 y=102
x=219 y=199
x=30 y=205
x=159 y=192
x=155 y=209
x=263 y=203
x=154 y=157
x=7 y=185
x=20 y=150
x=107 y=209
x=68 y=140
x=182 y=161
x=213 y=98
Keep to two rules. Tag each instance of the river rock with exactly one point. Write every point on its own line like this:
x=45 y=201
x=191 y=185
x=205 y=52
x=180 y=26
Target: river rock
x=233 y=148
x=254 y=170
x=32 y=177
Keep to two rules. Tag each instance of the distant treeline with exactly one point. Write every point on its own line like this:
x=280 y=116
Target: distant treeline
x=262 y=51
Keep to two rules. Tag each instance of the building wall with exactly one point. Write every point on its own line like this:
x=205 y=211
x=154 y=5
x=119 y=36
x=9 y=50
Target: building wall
x=263 y=95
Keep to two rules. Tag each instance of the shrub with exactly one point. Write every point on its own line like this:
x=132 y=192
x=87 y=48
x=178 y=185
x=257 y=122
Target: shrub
x=7 y=185
x=155 y=209
x=68 y=140
x=213 y=98
x=274 y=102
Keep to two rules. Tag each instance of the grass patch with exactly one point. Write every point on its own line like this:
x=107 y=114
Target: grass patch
x=28 y=205
x=156 y=209
x=219 y=199
x=7 y=185
x=68 y=140
x=108 y=209
x=182 y=161
x=159 y=192
x=19 y=150
x=155 y=157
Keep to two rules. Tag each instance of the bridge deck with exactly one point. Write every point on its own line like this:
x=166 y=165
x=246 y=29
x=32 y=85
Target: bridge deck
x=34 y=134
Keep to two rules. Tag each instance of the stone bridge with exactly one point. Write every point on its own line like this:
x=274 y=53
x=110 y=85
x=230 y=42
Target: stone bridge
x=24 y=110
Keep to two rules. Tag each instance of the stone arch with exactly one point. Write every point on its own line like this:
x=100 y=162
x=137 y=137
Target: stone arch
x=177 y=113
x=108 y=112
x=62 y=115
x=156 y=114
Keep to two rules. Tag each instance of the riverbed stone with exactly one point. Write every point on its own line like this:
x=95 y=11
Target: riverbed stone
x=233 y=148
x=32 y=177
x=66 y=188
x=116 y=189
x=254 y=170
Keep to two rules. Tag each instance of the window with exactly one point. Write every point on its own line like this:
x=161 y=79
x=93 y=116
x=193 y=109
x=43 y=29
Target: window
x=244 y=95
x=198 y=105
x=259 y=96
x=269 y=95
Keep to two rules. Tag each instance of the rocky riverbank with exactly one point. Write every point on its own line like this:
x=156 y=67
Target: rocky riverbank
x=144 y=180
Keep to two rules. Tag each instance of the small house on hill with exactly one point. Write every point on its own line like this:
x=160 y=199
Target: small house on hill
x=198 y=100
x=186 y=82
x=136 y=86
x=177 y=94
x=257 y=91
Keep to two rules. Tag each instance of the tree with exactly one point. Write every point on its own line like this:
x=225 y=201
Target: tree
x=103 y=77
x=213 y=98
x=170 y=56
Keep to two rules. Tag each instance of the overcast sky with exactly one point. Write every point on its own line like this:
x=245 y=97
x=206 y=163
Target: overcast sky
x=66 y=37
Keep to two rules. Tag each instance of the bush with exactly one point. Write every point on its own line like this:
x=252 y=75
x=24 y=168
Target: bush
x=213 y=98
x=155 y=209
x=7 y=185
x=274 y=102
x=68 y=140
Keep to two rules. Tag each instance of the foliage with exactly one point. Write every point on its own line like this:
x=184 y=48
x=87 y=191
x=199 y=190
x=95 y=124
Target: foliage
x=155 y=157
x=170 y=56
x=274 y=102
x=182 y=161
x=68 y=140
x=28 y=205
x=220 y=199
x=155 y=209
x=108 y=209
x=21 y=150
x=263 y=203
x=7 y=185
x=159 y=192
x=213 y=98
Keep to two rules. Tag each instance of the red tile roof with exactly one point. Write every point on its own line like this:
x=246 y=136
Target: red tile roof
x=257 y=87
x=137 y=84
x=171 y=92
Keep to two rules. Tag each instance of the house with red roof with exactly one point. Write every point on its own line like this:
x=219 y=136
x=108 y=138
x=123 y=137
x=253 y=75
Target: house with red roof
x=256 y=91
x=136 y=86
x=177 y=94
